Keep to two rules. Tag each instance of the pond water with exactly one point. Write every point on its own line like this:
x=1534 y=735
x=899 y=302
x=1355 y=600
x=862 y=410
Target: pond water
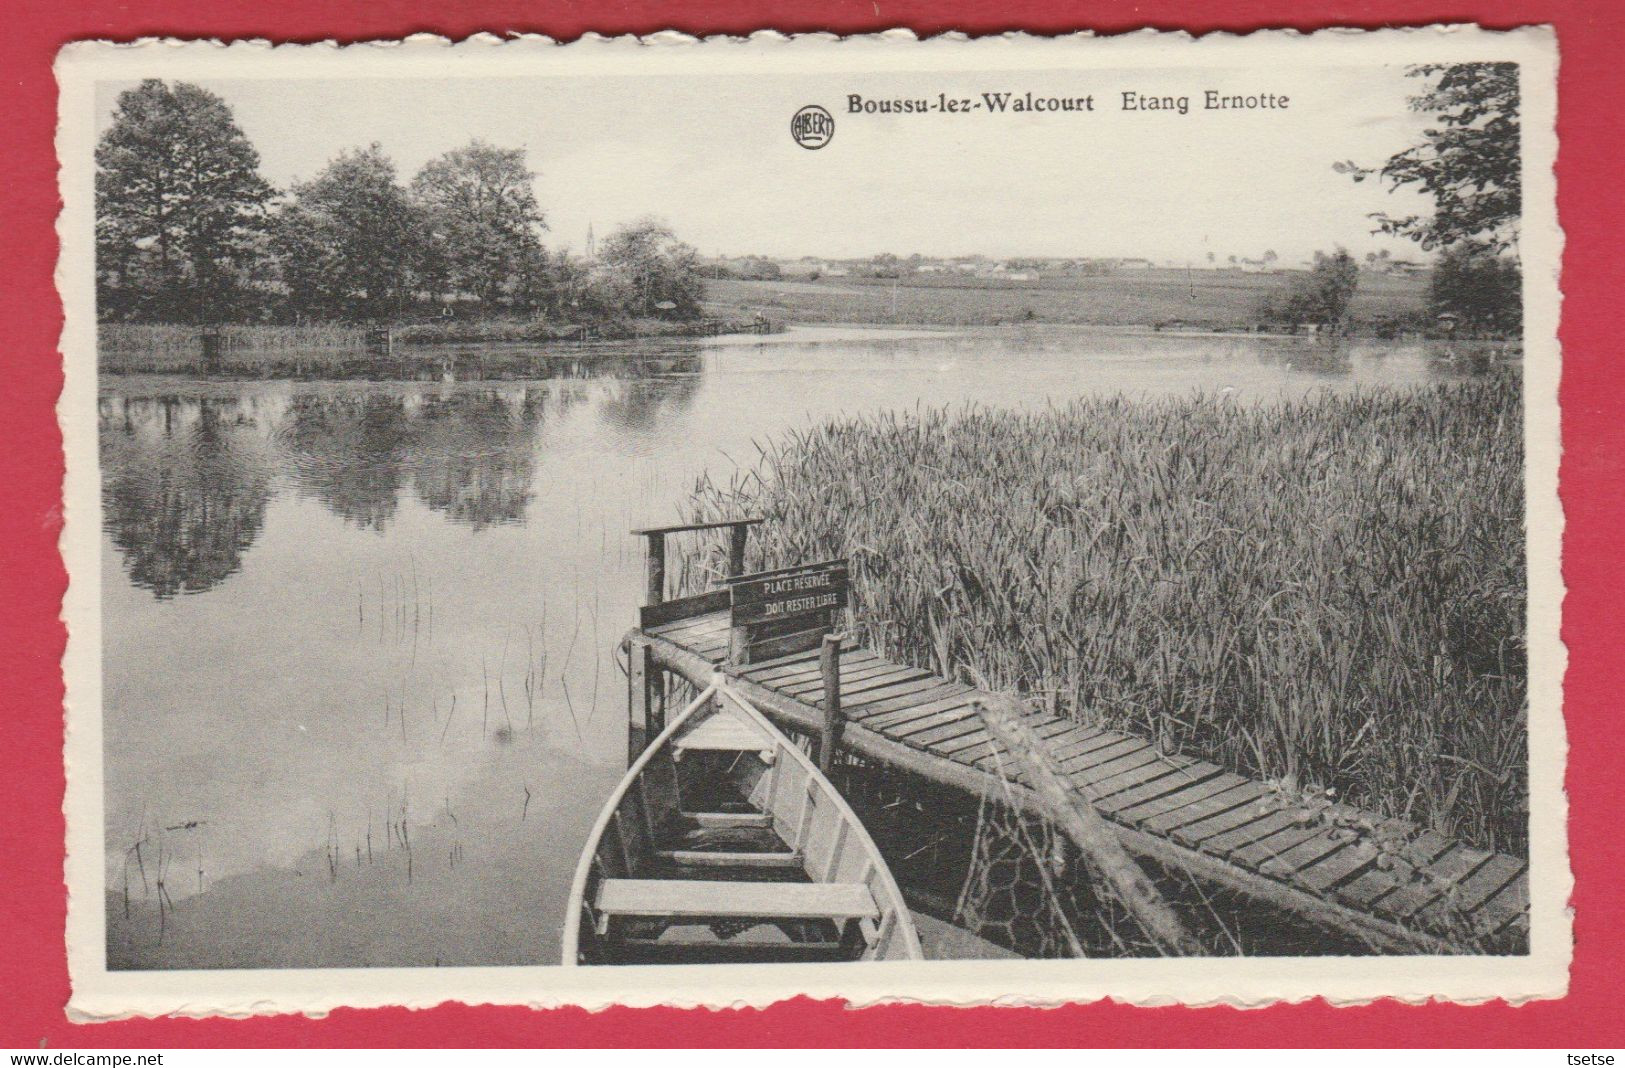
x=362 y=696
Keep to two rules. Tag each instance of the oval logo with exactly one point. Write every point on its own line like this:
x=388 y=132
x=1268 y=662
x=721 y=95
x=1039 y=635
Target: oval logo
x=812 y=127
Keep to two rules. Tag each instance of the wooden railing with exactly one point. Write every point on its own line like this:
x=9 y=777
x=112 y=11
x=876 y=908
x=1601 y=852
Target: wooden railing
x=655 y=556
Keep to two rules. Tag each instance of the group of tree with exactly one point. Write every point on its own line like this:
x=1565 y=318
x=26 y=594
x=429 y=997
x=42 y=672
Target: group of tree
x=749 y=269
x=188 y=231
x=1324 y=296
x=1469 y=165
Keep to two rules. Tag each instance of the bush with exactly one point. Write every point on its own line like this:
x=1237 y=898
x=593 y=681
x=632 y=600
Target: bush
x=1483 y=291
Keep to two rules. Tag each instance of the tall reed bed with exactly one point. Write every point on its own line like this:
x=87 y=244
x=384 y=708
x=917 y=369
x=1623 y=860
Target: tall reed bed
x=1326 y=592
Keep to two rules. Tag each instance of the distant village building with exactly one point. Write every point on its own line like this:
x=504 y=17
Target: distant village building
x=1135 y=263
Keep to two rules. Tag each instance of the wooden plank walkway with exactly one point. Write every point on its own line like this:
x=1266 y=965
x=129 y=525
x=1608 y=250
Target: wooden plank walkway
x=1401 y=886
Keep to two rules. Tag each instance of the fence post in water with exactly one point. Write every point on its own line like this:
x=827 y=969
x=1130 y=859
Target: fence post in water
x=829 y=666
x=656 y=561
x=1076 y=817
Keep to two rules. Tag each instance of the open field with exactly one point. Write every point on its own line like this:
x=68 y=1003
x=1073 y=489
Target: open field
x=1214 y=299
x=1325 y=593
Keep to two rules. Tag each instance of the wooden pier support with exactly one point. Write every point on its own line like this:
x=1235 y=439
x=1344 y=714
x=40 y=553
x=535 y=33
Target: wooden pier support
x=655 y=567
x=645 y=707
x=829 y=667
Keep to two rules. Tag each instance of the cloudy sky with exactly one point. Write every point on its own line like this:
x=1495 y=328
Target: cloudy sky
x=713 y=155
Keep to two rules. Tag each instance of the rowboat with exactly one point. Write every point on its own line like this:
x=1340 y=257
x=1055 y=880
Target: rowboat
x=724 y=843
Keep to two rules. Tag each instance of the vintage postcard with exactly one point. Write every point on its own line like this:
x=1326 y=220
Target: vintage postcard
x=698 y=522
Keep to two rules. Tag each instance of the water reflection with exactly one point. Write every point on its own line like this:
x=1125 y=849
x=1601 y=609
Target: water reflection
x=1318 y=358
x=476 y=455
x=186 y=479
x=350 y=452
x=643 y=407
x=184 y=490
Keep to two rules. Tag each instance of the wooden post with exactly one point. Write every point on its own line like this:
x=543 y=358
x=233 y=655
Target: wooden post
x=656 y=560
x=639 y=708
x=829 y=665
x=736 y=548
x=738 y=646
x=1073 y=814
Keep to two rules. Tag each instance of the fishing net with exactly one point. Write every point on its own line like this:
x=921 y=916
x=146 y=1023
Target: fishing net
x=1027 y=888
x=1017 y=891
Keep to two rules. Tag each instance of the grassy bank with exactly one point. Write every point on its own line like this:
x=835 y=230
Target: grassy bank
x=1220 y=300
x=1326 y=592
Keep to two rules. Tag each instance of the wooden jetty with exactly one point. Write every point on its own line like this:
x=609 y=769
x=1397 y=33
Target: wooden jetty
x=1385 y=882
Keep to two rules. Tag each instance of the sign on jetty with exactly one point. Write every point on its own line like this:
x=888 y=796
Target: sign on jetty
x=779 y=613
x=1385 y=882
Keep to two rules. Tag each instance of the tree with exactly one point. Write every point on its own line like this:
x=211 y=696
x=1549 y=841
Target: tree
x=886 y=265
x=1332 y=284
x=179 y=206
x=1468 y=164
x=484 y=222
x=1483 y=290
x=652 y=272
x=349 y=242
x=1323 y=296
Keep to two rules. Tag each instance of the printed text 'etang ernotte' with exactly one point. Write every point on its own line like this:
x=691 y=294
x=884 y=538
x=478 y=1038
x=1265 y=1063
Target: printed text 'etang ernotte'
x=1028 y=102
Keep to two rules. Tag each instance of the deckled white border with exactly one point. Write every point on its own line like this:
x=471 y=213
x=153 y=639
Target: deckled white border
x=99 y=994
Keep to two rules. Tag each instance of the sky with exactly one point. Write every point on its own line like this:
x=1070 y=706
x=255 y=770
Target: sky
x=713 y=156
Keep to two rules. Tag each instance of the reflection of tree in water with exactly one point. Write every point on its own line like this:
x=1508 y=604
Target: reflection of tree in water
x=184 y=490
x=1317 y=357
x=470 y=455
x=640 y=404
x=350 y=452
x=476 y=455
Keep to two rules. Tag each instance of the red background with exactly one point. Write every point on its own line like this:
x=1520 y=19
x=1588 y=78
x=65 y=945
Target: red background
x=33 y=970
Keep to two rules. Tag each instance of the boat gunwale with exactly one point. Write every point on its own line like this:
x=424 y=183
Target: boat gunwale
x=718 y=687
x=571 y=948
x=899 y=905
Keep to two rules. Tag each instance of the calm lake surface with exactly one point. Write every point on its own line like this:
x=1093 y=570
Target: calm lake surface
x=362 y=692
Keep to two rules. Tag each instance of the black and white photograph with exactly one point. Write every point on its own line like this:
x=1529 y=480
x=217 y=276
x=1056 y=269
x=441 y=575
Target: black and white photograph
x=908 y=519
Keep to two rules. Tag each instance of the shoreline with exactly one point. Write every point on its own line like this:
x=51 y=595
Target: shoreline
x=514 y=360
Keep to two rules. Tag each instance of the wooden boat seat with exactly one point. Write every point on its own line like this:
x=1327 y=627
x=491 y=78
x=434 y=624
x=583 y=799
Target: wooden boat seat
x=717 y=900
x=729 y=819
x=723 y=734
